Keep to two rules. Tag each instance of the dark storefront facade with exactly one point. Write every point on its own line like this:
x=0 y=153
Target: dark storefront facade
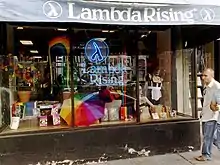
x=88 y=80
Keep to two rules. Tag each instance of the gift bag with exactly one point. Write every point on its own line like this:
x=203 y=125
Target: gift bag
x=113 y=114
x=15 y=121
x=145 y=114
x=106 y=116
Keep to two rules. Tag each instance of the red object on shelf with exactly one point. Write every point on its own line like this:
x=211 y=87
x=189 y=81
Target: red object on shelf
x=123 y=113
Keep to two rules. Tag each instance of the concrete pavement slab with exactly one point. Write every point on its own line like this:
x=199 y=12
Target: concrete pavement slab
x=171 y=159
x=190 y=157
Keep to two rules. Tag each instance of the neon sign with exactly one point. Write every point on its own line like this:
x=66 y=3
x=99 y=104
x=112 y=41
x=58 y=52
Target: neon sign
x=102 y=73
x=96 y=51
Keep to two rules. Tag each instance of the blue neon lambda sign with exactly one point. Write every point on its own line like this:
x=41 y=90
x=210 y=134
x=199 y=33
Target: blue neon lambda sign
x=96 y=50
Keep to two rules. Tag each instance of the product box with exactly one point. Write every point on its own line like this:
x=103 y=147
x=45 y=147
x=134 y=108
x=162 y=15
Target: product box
x=43 y=121
x=155 y=116
x=56 y=119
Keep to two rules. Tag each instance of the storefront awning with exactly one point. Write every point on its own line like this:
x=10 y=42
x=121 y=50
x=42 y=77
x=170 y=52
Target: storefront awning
x=175 y=2
x=100 y=12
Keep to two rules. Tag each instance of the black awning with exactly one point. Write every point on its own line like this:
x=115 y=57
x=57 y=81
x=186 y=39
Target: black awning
x=199 y=35
x=99 y=12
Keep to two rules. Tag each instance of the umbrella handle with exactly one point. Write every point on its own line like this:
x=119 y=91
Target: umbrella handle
x=124 y=95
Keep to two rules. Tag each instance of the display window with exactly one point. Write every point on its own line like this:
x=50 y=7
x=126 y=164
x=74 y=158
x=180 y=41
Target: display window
x=94 y=76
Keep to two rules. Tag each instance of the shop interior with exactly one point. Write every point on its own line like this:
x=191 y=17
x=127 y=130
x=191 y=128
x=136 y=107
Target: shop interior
x=44 y=57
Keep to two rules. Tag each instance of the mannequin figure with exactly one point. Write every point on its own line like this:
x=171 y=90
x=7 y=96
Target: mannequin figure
x=153 y=87
x=143 y=99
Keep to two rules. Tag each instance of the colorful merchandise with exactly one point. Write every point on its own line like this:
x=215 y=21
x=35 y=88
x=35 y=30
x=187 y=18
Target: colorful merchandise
x=66 y=111
x=29 y=108
x=43 y=121
x=123 y=113
x=18 y=110
x=113 y=114
x=65 y=42
x=56 y=119
x=106 y=115
x=87 y=107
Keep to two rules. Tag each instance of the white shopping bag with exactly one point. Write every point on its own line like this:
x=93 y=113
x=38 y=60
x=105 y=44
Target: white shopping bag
x=15 y=121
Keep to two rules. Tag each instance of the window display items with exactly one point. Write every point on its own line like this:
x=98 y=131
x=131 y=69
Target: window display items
x=43 y=121
x=61 y=46
x=144 y=99
x=49 y=113
x=88 y=108
x=15 y=121
x=153 y=86
x=145 y=114
x=46 y=113
x=99 y=69
x=18 y=110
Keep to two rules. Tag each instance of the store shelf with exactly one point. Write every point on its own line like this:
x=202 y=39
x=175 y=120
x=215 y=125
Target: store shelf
x=199 y=92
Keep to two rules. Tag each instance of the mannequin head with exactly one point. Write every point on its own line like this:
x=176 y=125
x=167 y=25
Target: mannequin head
x=157 y=72
x=140 y=90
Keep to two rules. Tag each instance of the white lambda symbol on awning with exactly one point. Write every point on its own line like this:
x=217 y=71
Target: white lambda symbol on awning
x=52 y=9
x=208 y=15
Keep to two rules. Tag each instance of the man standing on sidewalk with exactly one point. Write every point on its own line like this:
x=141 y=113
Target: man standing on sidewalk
x=208 y=117
x=215 y=106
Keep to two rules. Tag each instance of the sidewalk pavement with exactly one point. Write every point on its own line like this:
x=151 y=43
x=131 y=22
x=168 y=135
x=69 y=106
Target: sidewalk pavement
x=186 y=158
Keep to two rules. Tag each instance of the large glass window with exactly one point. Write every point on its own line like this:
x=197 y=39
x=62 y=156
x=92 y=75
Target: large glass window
x=98 y=75
x=38 y=76
x=104 y=77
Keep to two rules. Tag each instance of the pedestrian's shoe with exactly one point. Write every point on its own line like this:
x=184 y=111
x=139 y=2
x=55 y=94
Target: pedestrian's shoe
x=202 y=158
x=217 y=145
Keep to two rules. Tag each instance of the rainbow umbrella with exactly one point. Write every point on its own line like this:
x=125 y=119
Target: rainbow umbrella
x=66 y=113
x=88 y=108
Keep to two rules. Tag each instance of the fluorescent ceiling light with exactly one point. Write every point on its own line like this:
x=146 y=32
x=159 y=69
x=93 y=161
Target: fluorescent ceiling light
x=62 y=29
x=37 y=57
x=102 y=39
x=108 y=31
x=26 y=42
x=34 y=51
x=218 y=39
x=20 y=28
x=186 y=43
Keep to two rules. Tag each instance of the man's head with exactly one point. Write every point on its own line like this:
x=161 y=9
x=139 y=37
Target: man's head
x=208 y=75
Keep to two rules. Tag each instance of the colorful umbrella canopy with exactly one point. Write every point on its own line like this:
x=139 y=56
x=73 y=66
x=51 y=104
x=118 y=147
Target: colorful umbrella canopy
x=66 y=113
x=88 y=108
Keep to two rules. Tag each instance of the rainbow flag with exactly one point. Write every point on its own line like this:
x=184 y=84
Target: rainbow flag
x=65 y=41
x=61 y=40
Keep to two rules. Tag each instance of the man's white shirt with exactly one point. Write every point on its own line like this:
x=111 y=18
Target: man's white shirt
x=207 y=113
x=216 y=99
